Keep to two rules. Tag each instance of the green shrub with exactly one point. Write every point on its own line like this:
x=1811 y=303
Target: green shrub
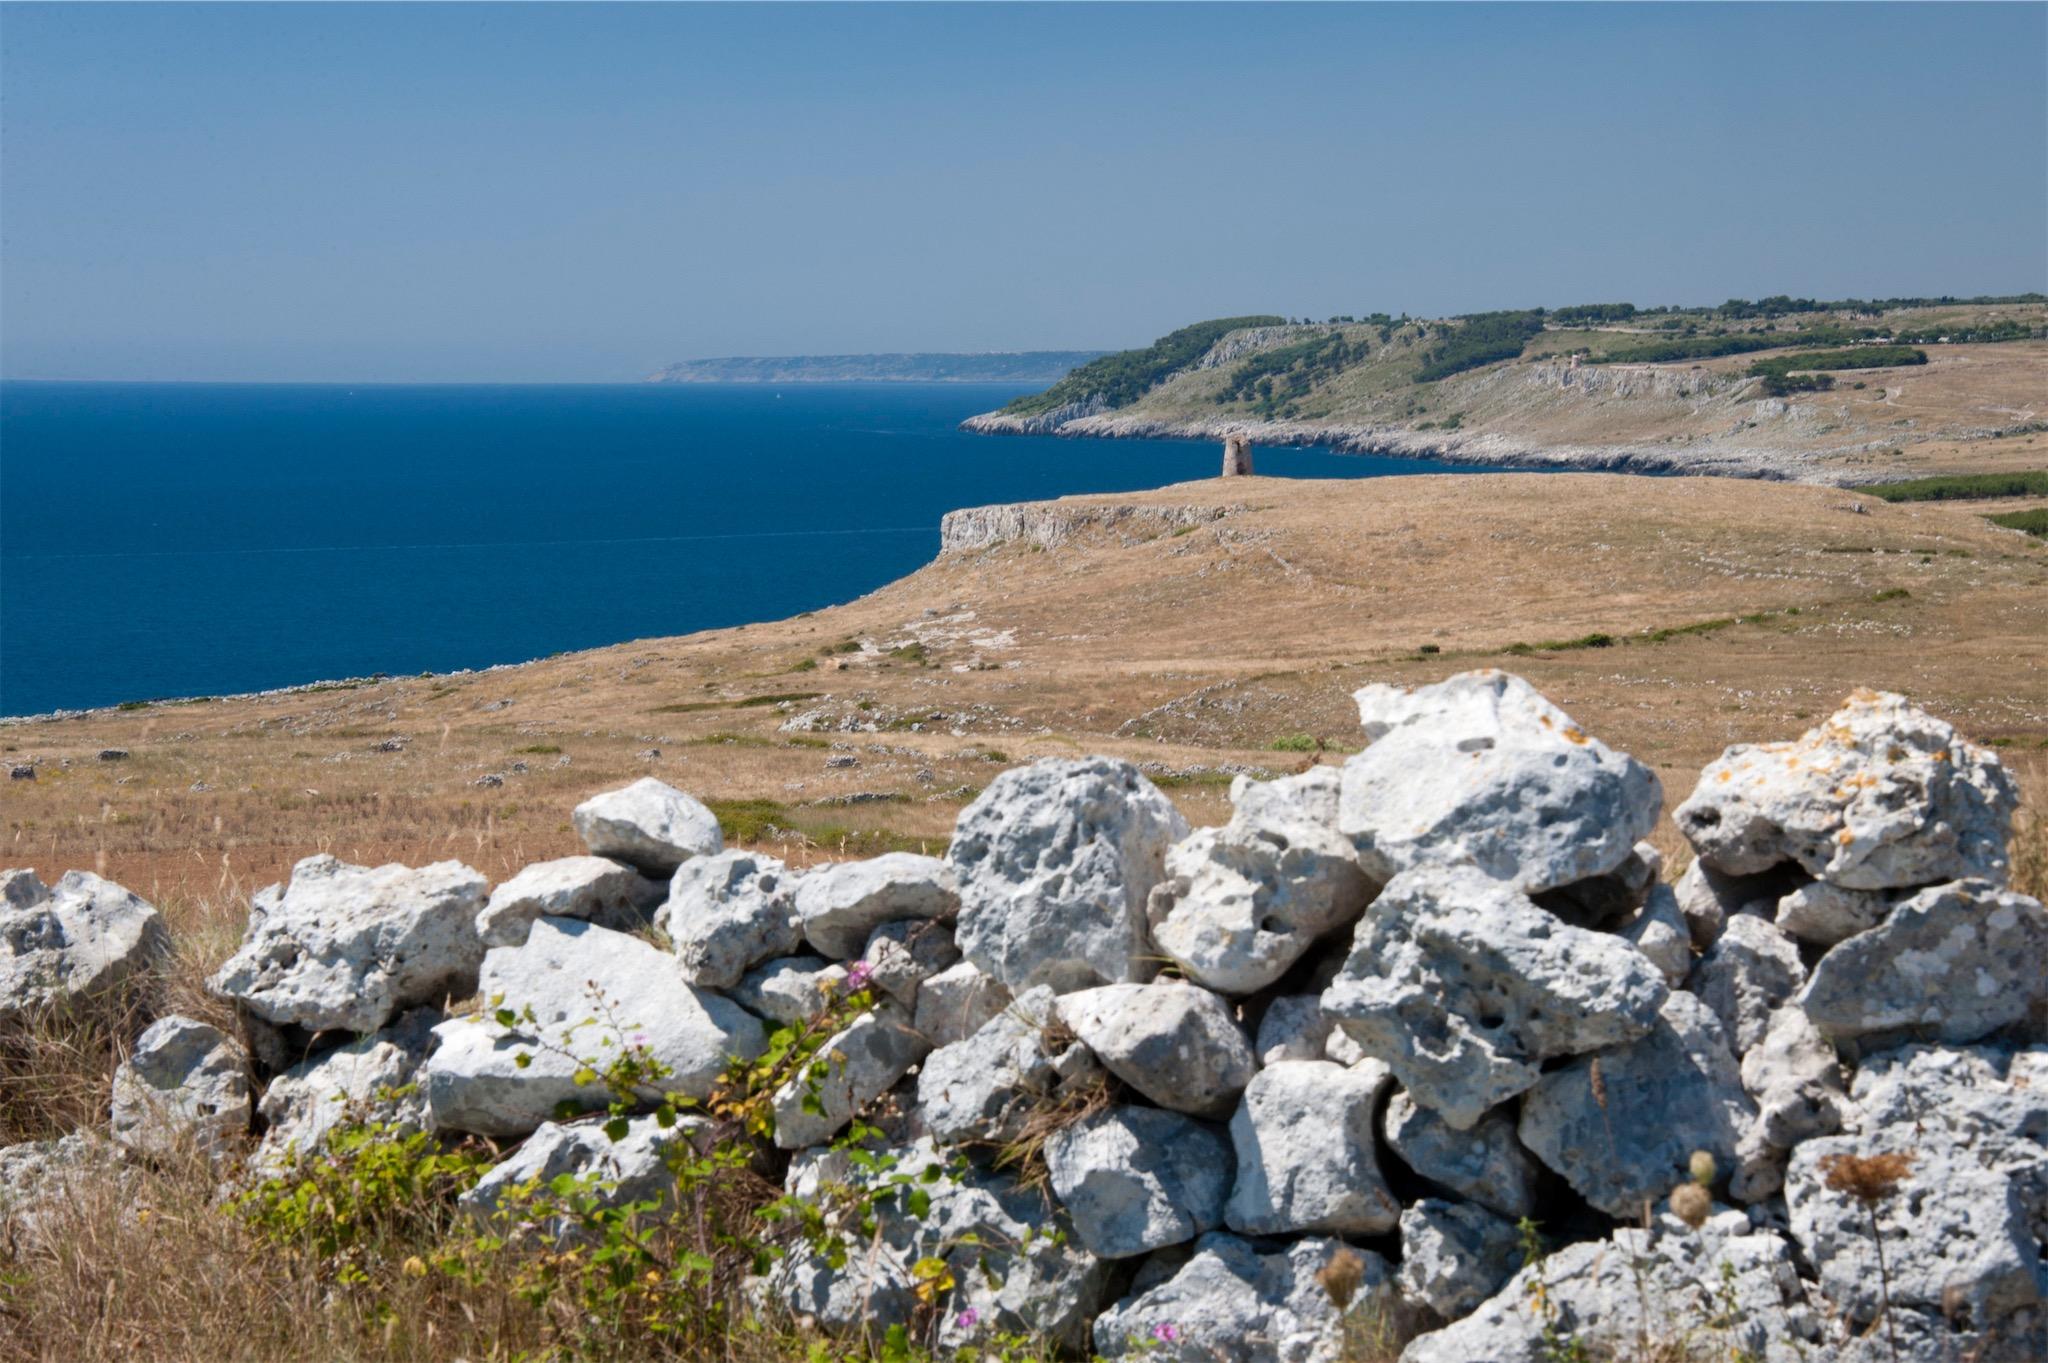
x=1294 y=743
x=1121 y=379
x=1963 y=486
x=1480 y=339
x=2034 y=522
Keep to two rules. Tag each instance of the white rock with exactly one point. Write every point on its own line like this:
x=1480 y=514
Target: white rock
x=83 y=939
x=1793 y=1075
x=1454 y=1255
x=348 y=948
x=842 y=903
x=902 y=955
x=1660 y=932
x=650 y=825
x=792 y=989
x=728 y=912
x=1731 y=1291
x=1055 y=862
x=1229 y=1301
x=1176 y=1043
x=593 y=993
x=43 y=1182
x=1963 y=1232
x=956 y=1003
x=1881 y=795
x=985 y=1087
x=1747 y=975
x=1954 y=962
x=1825 y=914
x=1465 y=987
x=1136 y=1179
x=368 y=1080
x=1307 y=1159
x=185 y=1087
x=1481 y=770
x=606 y=892
x=612 y=1173
x=1242 y=903
x=1621 y=1126
x=1293 y=1028
x=1486 y=1164
x=1609 y=900
x=864 y=1059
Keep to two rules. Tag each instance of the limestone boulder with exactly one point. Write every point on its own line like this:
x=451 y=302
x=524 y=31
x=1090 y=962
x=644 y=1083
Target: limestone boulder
x=1621 y=1126
x=728 y=912
x=1294 y=1027
x=86 y=938
x=604 y=891
x=1465 y=988
x=1732 y=1290
x=1825 y=914
x=1709 y=898
x=1659 y=930
x=1752 y=969
x=370 y=1080
x=1231 y=1301
x=1178 y=1044
x=841 y=904
x=1963 y=1226
x=184 y=1087
x=1136 y=1179
x=1307 y=1155
x=1480 y=770
x=610 y=1173
x=1486 y=1164
x=649 y=825
x=591 y=994
x=863 y=1060
x=1795 y=1079
x=1055 y=863
x=1881 y=795
x=1454 y=1255
x=902 y=955
x=986 y=1087
x=348 y=948
x=1240 y=904
x=1954 y=962
x=790 y=990
x=956 y=1003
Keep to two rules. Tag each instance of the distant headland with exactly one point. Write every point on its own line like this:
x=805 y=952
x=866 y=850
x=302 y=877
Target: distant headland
x=1019 y=366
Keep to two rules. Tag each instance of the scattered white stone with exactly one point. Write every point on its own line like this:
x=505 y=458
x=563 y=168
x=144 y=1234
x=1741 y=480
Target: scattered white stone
x=650 y=825
x=901 y=956
x=1486 y=1164
x=86 y=937
x=1480 y=770
x=986 y=1086
x=185 y=1087
x=1825 y=914
x=1881 y=795
x=1465 y=987
x=1660 y=932
x=1622 y=1125
x=956 y=1003
x=593 y=994
x=348 y=948
x=1307 y=1158
x=1953 y=963
x=1176 y=1043
x=790 y=990
x=1242 y=903
x=842 y=903
x=606 y=892
x=1055 y=862
x=728 y=912
x=1136 y=1179
x=1747 y=975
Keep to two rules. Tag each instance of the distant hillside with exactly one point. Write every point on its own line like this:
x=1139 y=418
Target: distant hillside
x=1852 y=391
x=1021 y=366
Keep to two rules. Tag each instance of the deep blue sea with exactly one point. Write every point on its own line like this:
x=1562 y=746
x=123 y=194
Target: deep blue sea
x=163 y=540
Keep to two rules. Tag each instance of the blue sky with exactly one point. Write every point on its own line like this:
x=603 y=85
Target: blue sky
x=540 y=192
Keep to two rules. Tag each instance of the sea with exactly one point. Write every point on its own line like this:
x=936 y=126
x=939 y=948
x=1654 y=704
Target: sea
x=177 y=540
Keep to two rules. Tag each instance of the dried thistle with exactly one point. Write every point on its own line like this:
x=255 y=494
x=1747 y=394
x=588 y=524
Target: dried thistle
x=1341 y=1276
x=1692 y=1204
x=1870 y=1179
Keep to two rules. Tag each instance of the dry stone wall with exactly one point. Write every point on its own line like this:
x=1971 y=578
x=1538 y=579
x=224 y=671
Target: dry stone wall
x=1226 y=1093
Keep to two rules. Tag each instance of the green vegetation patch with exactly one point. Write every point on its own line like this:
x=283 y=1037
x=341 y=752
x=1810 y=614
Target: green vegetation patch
x=691 y=707
x=1121 y=379
x=1481 y=338
x=1737 y=343
x=1273 y=379
x=2033 y=521
x=1964 y=487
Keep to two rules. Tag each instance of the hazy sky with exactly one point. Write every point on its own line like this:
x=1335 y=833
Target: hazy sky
x=411 y=192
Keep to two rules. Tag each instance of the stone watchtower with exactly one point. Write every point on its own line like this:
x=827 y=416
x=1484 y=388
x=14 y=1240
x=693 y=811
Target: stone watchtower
x=1237 y=456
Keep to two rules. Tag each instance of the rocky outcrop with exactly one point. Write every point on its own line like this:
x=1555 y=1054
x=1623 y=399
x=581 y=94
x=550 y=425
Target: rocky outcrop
x=85 y=939
x=1048 y=525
